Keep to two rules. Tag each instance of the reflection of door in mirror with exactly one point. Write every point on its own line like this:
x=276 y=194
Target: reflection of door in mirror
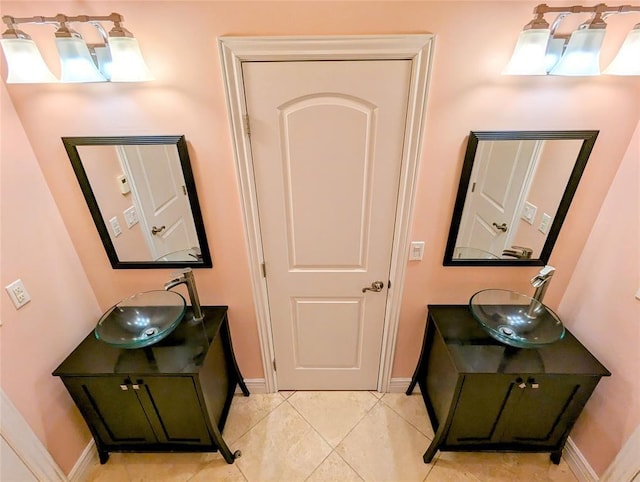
x=132 y=208
x=514 y=192
x=499 y=183
x=159 y=192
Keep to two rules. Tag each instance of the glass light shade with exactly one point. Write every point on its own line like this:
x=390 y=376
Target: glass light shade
x=127 y=64
x=529 y=54
x=582 y=56
x=76 y=62
x=25 y=63
x=554 y=52
x=627 y=61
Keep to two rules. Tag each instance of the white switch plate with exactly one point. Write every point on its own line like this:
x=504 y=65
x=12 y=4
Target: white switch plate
x=416 y=252
x=18 y=293
x=638 y=294
x=130 y=217
x=529 y=212
x=545 y=222
x=115 y=226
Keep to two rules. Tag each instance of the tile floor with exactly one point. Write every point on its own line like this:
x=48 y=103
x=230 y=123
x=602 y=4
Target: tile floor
x=330 y=436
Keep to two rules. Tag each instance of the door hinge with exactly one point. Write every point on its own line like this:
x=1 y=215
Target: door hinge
x=389 y=285
x=184 y=190
x=264 y=270
x=473 y=187
x=245 y=122
x=274 y=365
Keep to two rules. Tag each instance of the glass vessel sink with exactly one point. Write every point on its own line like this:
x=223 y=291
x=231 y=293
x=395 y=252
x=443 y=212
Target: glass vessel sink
x=142 y=319
x=515 y=319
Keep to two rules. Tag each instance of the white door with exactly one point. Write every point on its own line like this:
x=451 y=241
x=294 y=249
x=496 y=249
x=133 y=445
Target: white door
x=327 y=141
x=497 y=189
x=156 y=179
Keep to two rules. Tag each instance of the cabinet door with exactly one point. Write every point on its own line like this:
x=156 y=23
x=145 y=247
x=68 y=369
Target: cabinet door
x=479 y=407
x=114 y=414
x=173 y=408
x=540 y=415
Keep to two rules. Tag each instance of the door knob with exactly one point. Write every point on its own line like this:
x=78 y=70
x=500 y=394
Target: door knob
x=375 y=286
x=501 y=227
x=155 y=230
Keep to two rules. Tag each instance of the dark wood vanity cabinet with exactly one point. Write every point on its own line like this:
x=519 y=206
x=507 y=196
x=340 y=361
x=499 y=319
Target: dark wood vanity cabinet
x=483 y=395
x=171 y=396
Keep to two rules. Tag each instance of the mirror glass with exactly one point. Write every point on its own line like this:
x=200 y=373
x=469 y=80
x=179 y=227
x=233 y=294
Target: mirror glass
x=514 y=193
x=142 y=197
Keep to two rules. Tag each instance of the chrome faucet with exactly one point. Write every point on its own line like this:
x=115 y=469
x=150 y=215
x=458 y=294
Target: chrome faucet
x=520 y=252
x=186 y=277
x=541 y=282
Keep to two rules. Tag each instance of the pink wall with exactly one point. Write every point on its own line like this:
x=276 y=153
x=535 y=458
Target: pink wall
x=37 y=249
x=467 y=93
x=600 y=309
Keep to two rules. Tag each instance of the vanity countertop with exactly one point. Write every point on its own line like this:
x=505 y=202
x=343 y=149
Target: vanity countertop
x=474 y=351
x=181 y=352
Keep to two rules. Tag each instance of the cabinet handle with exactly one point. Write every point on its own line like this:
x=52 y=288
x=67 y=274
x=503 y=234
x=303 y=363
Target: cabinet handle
x=521 y=383
x=136 y=386
x=124 y=387
x=533 y=383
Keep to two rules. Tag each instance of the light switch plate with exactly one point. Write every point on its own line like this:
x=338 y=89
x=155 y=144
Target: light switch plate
x=416 y=252
x=115 y=226
x=545 y=222
x=638 y=294
x=529 y=212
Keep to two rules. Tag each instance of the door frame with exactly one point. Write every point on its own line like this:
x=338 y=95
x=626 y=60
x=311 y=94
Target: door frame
x=233 y=52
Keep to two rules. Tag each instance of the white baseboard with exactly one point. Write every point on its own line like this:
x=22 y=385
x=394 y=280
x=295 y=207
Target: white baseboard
x=578 y=464
x=254 y=385
x=400 y=385
x=87 y=460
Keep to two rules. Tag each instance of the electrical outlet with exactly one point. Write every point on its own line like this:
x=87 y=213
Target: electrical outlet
x=115 y=226
x=545 y=222
x=130 y=216
x=416 y=251
x=529 y=212
x=18 y=293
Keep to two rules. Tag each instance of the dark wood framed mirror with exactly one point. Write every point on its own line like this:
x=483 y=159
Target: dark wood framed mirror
x=514 y=194
x=142 y=197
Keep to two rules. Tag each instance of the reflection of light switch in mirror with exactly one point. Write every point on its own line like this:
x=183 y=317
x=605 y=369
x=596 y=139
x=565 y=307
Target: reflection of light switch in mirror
x=544 y=223
x=130 y=217
x=115 y=226
x=529 y=212
x=123 y=184
x=416 y=251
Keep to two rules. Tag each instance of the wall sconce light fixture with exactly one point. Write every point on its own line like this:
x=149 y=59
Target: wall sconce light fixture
x=539 y=51
x=117 y=59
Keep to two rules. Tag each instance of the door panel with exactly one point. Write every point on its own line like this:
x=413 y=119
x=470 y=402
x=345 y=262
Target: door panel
x=173 y=409
x=115 y=413
x=163 y=201
x=497 y=181
x=327 y=185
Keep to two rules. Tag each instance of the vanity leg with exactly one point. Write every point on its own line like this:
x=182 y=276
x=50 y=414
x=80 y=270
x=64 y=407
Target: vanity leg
x=223 y=447
x=431 y=451
x=556 y=456
x=226 y=336
x=419 y=367
x=103 y=455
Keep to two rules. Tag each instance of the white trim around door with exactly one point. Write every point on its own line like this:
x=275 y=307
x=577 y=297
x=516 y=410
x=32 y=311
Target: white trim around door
x=417 y=48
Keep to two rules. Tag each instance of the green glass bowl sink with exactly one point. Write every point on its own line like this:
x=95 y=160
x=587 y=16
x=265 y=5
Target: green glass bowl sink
x=515 y=319
x=142 y=319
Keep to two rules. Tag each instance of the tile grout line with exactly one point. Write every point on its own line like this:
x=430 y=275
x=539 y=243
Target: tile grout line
x=333 y=449
x=410 y=423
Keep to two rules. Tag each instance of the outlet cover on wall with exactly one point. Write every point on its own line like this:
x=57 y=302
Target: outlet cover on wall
x=416 y=252
x=130 y=216
x=18 y=293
